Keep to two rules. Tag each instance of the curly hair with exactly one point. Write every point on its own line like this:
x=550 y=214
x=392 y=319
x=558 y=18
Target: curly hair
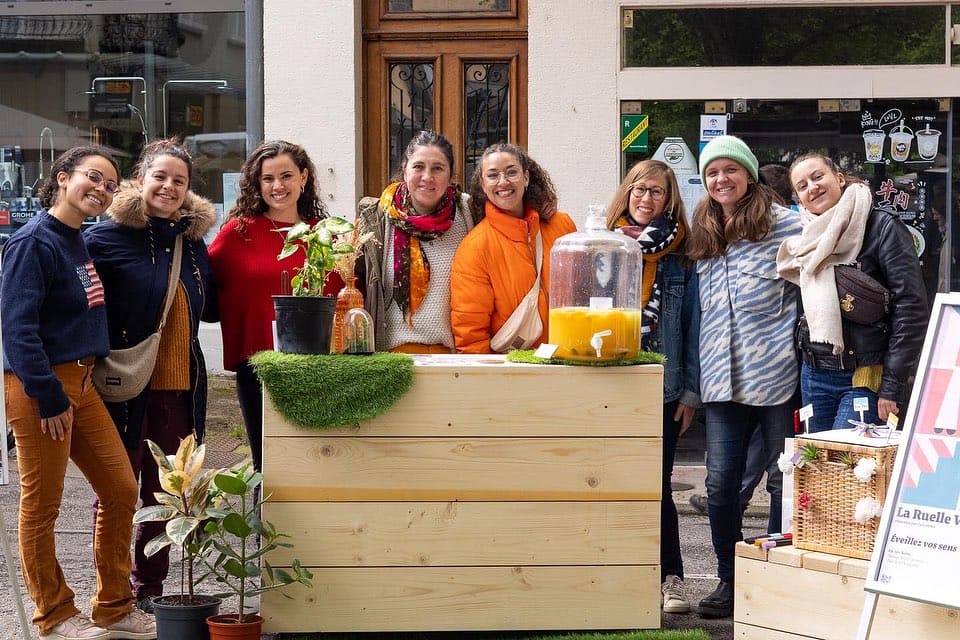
x=250 y=204
x=163 y=147
x=539 y=194
x=66 y=163
x=711 y=231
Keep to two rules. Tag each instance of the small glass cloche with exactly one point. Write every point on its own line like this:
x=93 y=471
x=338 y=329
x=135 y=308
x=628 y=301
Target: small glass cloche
x=358 y=333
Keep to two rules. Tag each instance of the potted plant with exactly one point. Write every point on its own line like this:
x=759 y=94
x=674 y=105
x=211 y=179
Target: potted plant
x=184 y=505
x=305 y=319
x=231 y=555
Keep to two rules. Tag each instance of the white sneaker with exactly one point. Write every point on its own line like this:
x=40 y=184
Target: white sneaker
x=77 y=627
x=136 y=625
x=674 y=598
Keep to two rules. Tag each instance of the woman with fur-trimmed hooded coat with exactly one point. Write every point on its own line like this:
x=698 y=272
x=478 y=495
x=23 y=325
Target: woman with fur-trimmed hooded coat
x=133 y=254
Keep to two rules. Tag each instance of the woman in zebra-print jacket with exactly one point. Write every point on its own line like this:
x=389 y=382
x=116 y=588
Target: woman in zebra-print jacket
x=748 y=369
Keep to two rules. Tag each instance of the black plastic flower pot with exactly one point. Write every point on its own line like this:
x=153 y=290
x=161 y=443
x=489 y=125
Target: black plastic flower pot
x=179 y=620
x=304 y=323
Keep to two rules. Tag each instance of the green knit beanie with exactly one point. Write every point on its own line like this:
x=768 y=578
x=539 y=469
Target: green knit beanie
x=728 y=147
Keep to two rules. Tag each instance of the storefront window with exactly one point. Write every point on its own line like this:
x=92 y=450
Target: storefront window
x=790 y=36
x=900 y=147
x=119 y=80
x=447 y=6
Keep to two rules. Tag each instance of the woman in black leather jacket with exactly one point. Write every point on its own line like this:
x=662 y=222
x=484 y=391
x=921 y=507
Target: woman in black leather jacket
x=843 y=360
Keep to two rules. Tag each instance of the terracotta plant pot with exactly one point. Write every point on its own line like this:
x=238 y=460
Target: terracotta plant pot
x=226 y=627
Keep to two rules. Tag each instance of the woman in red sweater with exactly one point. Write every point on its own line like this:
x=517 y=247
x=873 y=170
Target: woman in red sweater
x=278 y=188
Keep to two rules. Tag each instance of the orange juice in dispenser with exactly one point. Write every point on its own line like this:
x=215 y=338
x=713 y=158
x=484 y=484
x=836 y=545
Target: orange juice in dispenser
x=595 y=280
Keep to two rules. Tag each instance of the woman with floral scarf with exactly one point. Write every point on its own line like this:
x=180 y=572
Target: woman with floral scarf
x=417 y=225
x=648 y=208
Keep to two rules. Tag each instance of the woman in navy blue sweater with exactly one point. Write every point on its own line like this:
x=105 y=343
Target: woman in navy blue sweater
x=54 y=327
x=133 y=253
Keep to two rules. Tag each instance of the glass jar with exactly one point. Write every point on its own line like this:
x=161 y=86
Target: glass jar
x=595 y=279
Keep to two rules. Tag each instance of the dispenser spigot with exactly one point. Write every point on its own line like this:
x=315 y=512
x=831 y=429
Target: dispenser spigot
x=596 y=340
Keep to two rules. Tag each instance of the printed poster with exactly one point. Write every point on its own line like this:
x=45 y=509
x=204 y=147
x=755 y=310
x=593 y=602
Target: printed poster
x=918 y=546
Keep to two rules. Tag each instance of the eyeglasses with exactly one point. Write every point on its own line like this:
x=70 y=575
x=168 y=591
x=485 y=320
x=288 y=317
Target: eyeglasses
x=98 y=178
x=657 y=193
x=512 y=175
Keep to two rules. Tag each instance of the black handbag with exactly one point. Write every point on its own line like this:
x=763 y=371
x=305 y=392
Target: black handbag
x=863 y=300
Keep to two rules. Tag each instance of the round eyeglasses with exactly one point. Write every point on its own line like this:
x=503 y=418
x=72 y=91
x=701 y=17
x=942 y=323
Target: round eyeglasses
x=98 y=178
x=657 y=193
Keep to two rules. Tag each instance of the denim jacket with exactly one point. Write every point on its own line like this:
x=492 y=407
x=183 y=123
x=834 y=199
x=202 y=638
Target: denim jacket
x=678 y=321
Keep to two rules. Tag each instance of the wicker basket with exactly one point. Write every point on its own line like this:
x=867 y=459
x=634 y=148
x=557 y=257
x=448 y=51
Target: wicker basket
x=827 y=524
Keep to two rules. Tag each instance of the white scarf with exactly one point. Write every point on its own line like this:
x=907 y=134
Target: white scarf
x=834 y=237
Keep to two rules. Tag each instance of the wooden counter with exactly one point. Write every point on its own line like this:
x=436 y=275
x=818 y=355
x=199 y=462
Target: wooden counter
x=491 y=496
x=787 y=593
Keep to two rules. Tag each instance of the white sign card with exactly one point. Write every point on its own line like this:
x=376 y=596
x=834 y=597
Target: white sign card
x=917 y=549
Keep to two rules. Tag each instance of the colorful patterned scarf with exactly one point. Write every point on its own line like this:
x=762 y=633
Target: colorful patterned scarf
x=411 y=269
x=662 y=236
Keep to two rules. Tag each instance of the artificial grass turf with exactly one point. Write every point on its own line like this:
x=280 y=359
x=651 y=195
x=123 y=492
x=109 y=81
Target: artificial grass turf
x=320 y=392
x=652 y=634
x=644 y=357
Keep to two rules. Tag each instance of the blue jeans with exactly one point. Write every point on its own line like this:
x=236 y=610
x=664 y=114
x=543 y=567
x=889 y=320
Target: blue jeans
x=729 y=428
x=831 y=393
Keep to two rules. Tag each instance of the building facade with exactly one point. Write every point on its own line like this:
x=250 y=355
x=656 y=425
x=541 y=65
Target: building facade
x=588 y=87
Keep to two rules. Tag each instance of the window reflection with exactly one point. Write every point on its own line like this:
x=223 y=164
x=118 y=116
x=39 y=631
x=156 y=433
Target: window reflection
x=784 y=36
x=446 y=6
x=119 y=81
x=898 y=146
x=486 y=109
x=411 y=105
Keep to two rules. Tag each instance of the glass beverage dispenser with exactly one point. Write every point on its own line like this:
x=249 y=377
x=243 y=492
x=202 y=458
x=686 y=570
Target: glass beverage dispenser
x=595 y=293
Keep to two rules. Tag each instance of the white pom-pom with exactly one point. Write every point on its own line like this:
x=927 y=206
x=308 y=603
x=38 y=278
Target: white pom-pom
x=867 y=508
x=785 y=462
x=866 y=468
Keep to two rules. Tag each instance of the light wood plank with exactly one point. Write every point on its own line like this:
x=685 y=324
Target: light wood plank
x=370 y=534
x=854 y=567
x=476 y=598
x=743 y=631
x=522 y=400
x=819 y=561
x=827 y=606
x=789 y=556
x=750 y=551
x=439 y=469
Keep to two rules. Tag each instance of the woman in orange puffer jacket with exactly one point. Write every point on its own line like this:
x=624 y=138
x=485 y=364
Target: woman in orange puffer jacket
x=495 y=265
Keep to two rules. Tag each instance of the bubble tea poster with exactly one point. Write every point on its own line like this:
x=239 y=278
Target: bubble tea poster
x=900 y=147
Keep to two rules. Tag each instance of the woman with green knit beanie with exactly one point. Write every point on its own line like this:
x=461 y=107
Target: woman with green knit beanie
x=748 y=370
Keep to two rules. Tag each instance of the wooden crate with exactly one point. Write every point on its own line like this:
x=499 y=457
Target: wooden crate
x=828 y=524
x=491 y=496
x=789 y=593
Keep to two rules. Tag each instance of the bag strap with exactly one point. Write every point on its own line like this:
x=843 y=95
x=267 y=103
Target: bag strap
x=173 y=280
x=539 y=265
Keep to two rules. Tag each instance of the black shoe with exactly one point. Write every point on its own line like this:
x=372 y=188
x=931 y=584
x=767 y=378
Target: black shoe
x=145 y=604
x=718 y=604
x=699 y=503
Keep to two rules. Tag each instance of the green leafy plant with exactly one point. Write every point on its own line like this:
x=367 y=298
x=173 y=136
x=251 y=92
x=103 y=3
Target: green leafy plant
x=846 y=459
x=230 y=551
x=323 y=244
x=810 y=453
x=184 y=505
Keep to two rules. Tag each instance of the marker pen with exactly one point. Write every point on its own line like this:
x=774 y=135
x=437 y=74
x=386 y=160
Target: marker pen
x=770 y=544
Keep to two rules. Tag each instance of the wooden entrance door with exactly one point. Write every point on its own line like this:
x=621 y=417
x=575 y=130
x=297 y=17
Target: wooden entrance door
x=456 y=66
